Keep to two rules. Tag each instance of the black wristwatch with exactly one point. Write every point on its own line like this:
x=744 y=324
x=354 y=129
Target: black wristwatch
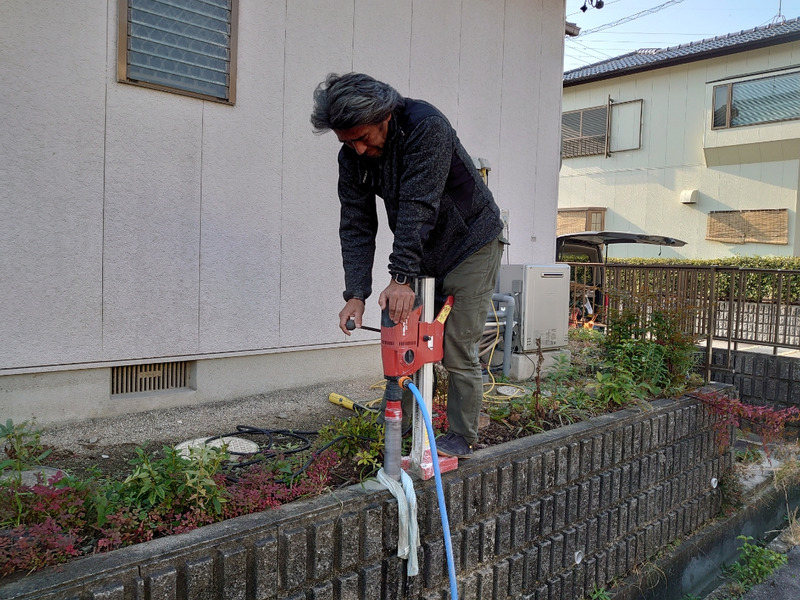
x=401 y=278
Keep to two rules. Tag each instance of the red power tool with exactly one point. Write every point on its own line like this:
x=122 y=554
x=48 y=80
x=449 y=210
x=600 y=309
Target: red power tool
x=406 y=346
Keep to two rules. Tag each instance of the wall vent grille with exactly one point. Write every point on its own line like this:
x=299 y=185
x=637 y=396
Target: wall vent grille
x=153 y=377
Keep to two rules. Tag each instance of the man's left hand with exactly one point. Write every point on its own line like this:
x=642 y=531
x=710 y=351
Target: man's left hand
x=400 y=299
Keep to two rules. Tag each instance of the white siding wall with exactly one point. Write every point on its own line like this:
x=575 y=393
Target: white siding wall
x=641 y=188
x=137 y=224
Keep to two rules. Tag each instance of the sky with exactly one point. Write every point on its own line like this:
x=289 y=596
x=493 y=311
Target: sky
x=676 y=22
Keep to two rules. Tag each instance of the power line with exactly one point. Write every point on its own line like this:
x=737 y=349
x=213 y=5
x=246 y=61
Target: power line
x=578 y=12
x=600 y=53
x=630 y=18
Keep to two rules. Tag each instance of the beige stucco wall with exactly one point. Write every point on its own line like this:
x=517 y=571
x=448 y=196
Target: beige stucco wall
x=138 y=225
x=732 y=170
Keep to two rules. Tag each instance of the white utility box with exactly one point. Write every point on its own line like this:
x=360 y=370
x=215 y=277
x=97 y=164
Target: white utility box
x=542 y=303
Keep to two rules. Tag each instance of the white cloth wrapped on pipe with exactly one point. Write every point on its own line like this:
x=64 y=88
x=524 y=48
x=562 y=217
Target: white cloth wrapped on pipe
x=407 y=529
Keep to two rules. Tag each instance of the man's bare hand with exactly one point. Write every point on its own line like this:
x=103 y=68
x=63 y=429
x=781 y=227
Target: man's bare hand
x=400 y=299
x=353 y=309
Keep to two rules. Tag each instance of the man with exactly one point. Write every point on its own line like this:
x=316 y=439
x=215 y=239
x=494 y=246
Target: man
x=445 y=223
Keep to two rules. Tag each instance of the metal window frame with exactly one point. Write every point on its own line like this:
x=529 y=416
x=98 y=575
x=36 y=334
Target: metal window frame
x=728 y=100
x=611 y=103
x=122 y=58
x=746 y=79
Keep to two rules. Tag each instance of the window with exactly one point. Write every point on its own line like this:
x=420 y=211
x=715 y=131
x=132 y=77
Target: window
x=182 y=46
x=625 y=126
x=615 y=127
x=755 y=101
x=767 y=226
x=575 y=220
x=583 y=132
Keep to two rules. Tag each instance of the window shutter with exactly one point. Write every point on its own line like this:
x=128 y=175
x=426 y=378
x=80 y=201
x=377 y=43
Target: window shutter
x=583 y=132
x=181 y=44
x=761 y=226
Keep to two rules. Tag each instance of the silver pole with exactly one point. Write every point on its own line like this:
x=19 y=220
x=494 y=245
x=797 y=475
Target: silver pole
x=423 y=379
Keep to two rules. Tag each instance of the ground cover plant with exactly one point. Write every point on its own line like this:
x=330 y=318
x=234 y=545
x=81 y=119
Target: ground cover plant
x=163 y=491
x=755 y=564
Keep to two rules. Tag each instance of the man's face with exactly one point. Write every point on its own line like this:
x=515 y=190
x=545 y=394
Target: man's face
x=365 y=139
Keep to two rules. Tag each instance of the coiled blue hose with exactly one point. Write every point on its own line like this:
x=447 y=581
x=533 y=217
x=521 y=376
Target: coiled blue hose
x=448 y=546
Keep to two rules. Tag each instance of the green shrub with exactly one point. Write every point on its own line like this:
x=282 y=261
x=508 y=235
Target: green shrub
x=359 y=437
x=174 y=483
x=755 y=564
x=22 y=444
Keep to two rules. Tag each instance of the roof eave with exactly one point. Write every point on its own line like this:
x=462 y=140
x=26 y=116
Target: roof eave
x=678 y=60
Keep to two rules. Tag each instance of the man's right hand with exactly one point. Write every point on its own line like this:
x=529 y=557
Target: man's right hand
x=353 y=309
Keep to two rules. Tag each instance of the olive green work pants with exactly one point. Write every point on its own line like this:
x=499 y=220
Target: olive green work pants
x=472 y=284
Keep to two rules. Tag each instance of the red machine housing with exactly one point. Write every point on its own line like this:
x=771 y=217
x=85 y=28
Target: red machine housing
x=406 y=346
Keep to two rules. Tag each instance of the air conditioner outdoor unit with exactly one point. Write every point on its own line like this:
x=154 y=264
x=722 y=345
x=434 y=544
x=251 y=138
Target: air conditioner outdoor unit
x=542 y=303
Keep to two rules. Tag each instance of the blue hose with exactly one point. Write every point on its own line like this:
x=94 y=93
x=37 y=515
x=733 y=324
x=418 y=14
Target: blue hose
x=448 y=546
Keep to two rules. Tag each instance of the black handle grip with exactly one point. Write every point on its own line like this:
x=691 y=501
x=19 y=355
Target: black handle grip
x=351 y=325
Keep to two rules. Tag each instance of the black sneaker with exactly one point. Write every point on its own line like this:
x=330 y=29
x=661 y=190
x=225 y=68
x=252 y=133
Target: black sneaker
x=453 y=444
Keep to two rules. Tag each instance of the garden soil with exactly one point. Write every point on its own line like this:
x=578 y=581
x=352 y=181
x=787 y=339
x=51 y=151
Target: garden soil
x=107 y=445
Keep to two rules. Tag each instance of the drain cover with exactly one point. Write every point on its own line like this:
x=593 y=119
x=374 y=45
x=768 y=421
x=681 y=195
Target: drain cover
x=236 y=446
x=511 y=392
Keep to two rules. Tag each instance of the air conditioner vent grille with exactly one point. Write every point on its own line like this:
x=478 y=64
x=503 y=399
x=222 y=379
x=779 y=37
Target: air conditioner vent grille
x=153 y=377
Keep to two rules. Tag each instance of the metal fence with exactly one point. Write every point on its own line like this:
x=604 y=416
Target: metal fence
x=732 y=305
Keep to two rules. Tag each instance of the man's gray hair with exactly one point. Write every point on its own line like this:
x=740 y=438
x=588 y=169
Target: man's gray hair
x=352 y=100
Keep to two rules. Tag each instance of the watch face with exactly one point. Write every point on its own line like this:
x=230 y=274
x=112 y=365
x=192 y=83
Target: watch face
x=401 y=279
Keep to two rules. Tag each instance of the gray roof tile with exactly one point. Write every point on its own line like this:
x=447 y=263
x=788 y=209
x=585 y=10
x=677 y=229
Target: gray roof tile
x=655 y=58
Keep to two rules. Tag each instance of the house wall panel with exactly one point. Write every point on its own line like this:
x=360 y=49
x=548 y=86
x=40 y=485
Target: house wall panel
x=525 y=125
x=383 y=51
x=550 y=51
x=319 y=40
x=519 y=43
x=151 y=223
x=51 y=183
x=677 y=80
x=657 y=123
x=435 y=50
x=695 y=116
x=241 y=194
x=480 y=84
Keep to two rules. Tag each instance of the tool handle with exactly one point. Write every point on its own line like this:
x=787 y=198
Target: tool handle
x=341 y=400
x=351 y=325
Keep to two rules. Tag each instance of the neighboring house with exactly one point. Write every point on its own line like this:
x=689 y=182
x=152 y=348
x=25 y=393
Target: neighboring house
x=700 y=142
x=168 y=219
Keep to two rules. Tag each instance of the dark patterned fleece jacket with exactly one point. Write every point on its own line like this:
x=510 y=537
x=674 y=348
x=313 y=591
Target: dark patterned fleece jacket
x=438 y=207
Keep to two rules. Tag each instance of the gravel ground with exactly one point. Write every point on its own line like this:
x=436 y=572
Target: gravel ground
x=302 y=409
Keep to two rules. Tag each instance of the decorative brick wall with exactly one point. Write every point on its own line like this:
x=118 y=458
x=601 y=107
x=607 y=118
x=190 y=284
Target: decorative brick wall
x=617 y=488
x=758 y=377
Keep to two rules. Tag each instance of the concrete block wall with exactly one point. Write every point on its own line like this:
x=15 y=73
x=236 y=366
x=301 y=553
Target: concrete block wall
x=615 y=489
x=758 y=378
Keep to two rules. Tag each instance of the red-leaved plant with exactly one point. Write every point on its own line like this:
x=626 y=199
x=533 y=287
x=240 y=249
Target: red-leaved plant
x=768 y=422
x=48 y=524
